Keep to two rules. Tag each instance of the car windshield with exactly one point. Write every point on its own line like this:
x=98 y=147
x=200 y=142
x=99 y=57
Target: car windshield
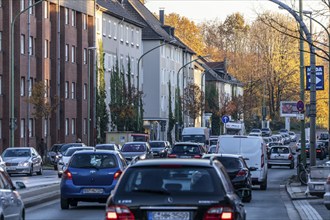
x=213 y=141
x=17 y=153
x=67 y=146
x=70 y=151
x=157 y=144
x=255 y=130
x=133 y=148
x=173 y=179
x=105 y=147
x=99 y=161
x=194 y=138
x=185 y=149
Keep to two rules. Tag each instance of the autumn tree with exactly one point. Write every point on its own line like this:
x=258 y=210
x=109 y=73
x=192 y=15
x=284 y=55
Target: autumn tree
x=193 y=101
x=212 y=106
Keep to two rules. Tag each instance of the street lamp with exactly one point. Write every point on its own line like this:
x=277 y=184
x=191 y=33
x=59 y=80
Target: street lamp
x=12 y=75
x=89 y=97
x=138 y=75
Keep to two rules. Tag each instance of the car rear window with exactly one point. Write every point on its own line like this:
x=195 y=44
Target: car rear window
x=99 y=161
x=157 y=144
x=280 y=150
x=133 y=148
x=173 y=179
x=105 y=147
x=186 y=149
x=230 y=162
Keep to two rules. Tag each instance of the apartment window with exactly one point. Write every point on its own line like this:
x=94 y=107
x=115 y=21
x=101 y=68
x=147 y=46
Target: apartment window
x=30 y=9
x=121 y=33
x=66 y=126
x=97 y=25
x=30 y=127
x=0 y=7
x=66 y=16
x=85 y=125
x=22 y=44
x=73 y=18
x=46 y=49
x=109 y=29
x=132 y=36
x=73 y=126
x=0 y=40
x=132 y=66
x=30 y=45
x=66 y=89
x=85 y=21
x=85 y=55
x=30 y=86
x=22 y=86
x=73 y=90
x=115 y=31
x=46 y=11
x=45 y=128
x=127 y=34
x=104 y=27
x=0 y=82
x=137 y=38
x=67 y=52
x=22 y=5
x=22 y=128
x=73 y=54
x=46 y=88
x=85 y=91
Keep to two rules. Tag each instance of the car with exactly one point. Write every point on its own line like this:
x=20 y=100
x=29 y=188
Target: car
x=175 y=189
x=214 y=140
x=293 y=136
x=11 y=204
x=65 y=158
x=53 y=153
x=115 y=147
x=280 y=156
x=272 y=144
x=286 y=138
x=298 y=145
x=255 y=134
x=325 y=144
x=159 y=148
x=317 y=179
x=133 y=149
x=212 y=149
x=90 y=176
x=22 y=160
x=320 y=153
x=266 y=132
x=187 y=150
x=283 y=130
x=2 y=163
x=323 y=136
x=326 y=196
x=238 y=171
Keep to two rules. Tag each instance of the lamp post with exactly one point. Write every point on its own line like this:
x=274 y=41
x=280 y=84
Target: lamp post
x=312 y=77
x=138 y=76
x=12 y=75
x=89 y=97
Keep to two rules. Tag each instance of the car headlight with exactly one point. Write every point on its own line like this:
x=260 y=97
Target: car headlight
x=24 y=164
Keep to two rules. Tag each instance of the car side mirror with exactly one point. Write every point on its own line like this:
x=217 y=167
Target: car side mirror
x=20 y=185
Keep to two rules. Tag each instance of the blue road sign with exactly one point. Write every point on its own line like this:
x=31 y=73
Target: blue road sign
x=225 y=119
x=319 y=71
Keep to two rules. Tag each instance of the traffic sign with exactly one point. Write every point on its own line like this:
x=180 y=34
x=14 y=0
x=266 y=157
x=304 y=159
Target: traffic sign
x=300 y=106
x=319 y=72
x=225 y=119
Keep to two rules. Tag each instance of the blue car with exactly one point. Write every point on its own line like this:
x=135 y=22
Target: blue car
x=90 y=176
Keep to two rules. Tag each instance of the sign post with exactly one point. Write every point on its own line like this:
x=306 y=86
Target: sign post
x=225 y=120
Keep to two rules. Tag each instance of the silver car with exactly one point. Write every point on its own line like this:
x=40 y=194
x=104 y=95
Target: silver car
x=280 y=156
x=22 y=160
x=133 y=149
x=326 y=196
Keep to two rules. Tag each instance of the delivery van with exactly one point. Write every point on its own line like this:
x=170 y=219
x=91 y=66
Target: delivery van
x=198 y=135
x=251 y=147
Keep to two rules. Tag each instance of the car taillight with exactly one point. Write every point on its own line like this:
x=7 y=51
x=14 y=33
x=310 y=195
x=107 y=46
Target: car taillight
x=119 y=212
x=172 y=156
x=117 y=174
x=219 y=212
x=197 y=156
x=318 y=151
x=241 y=173
x=67 y=175
x=290 y=156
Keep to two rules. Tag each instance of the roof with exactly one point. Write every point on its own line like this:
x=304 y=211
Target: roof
x=187 y=142
x=170 y=161
x=222 y=155
x=97 y=151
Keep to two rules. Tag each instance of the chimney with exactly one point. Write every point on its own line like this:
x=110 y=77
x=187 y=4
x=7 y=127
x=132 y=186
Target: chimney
x=161 y=16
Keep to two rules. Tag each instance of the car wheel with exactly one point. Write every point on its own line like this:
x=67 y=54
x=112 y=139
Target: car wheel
x=55 y=167
x=247 y=198
x=292 y=165
x=269 y=166
x=22 y=216
x=31 y=171
x=64 y=203
x=40 y=170
x=74 y=203
x=59 y=175
x=321 y=157
x=263 y=185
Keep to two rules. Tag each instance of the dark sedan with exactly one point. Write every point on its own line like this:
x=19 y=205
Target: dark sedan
x=175 y=189
x=320 y=152
x=187 y=150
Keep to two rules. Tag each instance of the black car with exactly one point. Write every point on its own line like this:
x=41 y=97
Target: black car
x=238 y=172
x=320 y=152
x=187 y=150
x=53 y=154
x=159 y=148
x=175 y=189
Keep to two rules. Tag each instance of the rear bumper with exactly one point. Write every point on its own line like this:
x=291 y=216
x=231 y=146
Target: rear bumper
x=280 y=162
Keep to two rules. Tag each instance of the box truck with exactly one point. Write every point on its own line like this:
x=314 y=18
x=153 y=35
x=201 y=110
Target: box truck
x=253 y=149
x=197 y=135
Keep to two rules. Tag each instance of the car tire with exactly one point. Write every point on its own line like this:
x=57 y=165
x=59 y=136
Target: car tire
x=22 y=216
x=55 y=167
x=31 y=171
x=263 y=185
x=64 y=203
x=247 y=199
x=40 y=170
x=292 y=165
x=74 y=203
x=269 y=166
x=59 y=175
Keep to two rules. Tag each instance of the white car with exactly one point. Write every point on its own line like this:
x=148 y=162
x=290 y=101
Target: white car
x=298 y=145
x=293 y=136
x=326 y=196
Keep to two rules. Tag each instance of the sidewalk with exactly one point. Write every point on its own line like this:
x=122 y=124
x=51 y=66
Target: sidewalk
x=299 y=197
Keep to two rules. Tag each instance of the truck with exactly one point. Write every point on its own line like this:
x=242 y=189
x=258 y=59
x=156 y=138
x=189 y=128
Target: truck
x=235 y=128
x=197 y=135
x=121 y=137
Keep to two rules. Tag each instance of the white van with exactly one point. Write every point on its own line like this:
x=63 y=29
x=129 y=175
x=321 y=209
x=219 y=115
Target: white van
x=251 y=147
x=197 y=135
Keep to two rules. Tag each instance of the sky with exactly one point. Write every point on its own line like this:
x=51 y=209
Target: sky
x=202 y=10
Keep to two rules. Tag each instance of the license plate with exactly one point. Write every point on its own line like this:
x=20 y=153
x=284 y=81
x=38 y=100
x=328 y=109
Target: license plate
x=185 y=157
x=169 y=216
x=10 y=168
x=92 y=191
x=319 y=187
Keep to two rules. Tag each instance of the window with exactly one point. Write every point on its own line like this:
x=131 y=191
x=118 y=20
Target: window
x=73 y=126
x=22 y=5
x=66 y=16
x=30 y=127
x=109 y=29
x=104 y=27
x=85 y=125
x=115 y=31
x=30 y=86
x=0 y=3
x=0 y=40
x=30 y=9
x=0 y=84
x=22 y=86
x=73 y=54
x=85 y=21
x=46 y=11
x=127 y=34
x=85 y=56
x=45 y=127
x=67 y=52
x=73 y=18
x=46 y=88
x=73 y=90
x=85 y=91
x=66 y=126
x=46 y=49
x=137 y=38
x=22 y=44
x=132 y=36
x=97 y=25
x=66 y=89
x=22 y=128
x=121 y=33
x=30 y=45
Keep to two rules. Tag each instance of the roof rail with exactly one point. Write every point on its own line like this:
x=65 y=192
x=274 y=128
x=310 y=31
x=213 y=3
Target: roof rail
x=212 y=158
x=137 y=158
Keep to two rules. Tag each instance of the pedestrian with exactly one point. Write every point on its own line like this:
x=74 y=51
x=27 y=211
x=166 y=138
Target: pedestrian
x=41 y=148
